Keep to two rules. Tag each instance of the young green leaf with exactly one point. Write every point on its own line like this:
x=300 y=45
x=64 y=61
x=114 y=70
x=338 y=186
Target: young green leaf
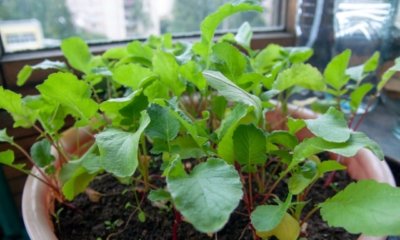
x=132 y=75
x=335 y=71
x=77 y=53
x=4 y=137
x=65 y=89
x=302 y=178
x=192 y=73
x=24 y=74
x=287 y=229
x=249 y=145
x=366 y=207
x=267 y=58
x=74 y=179
x=119 y=149
x=349 y=148
x=40 y=152
x=229 y=60
x=139 y=50
x=300 y=74
x=357 y=95
x=226 y=130
x=13 y=104
x=163 y=124
x=244 y=35
x=282 y=138
x=299 y=54
x=211 y=22
x=165 y=65
x=389 y=73
x=186 y=147
x=232 y=92
x=267 y=217
x=331 y=126
x=329 y=166
x=159 y=195
x=295 y=125
x=123 y=110
x=358 y=73
x=7 y=158
x=27 y=70
x=208 y=195
x=116 y=53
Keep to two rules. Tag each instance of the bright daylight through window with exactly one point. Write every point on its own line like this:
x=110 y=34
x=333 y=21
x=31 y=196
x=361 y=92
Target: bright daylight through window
x=37 y=24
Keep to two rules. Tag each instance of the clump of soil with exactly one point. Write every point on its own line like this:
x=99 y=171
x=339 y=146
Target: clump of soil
x=116 y=216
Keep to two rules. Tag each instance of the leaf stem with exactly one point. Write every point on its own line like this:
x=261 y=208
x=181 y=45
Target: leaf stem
x=309 y=215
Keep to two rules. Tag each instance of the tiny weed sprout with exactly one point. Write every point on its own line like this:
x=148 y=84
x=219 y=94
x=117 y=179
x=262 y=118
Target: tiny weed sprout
x=198 y=129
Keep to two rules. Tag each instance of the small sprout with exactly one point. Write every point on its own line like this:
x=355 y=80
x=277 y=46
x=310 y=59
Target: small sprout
x=142 y=216
x=113 y=225
x=128 y=205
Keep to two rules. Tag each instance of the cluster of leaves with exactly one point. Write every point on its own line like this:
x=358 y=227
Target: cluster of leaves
x=196 y=113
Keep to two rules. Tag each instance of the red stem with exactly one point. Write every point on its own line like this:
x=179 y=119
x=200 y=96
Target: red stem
x=177 y=222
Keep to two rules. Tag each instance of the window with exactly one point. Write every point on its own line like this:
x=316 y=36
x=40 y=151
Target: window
x=97 y=21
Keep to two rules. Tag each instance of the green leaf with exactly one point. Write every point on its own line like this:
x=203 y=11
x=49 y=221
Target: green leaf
x=192 y=73
x=295 y=125
x=218 y=106
x=349 y=148
x=77 y=53
x=229 y=60
x=357 y=95
x=165 y=65
x=297 y=183
x=232 y=92
x=287 y=229
x=159 y=195
x=156 y=90
x=266 y=217
x=267 y=58
x=331 y=126
x=132 y=75
x=244 y=35
x=207 y=196
x=74 y=179
x=65 y=89
x=40 y=152
x=4 y=137
x=116 y=53
x=282 y=138
x=27 y=70
x=186 y=147
x=335 y=71
x=329 y=166
x=13 y=104
x=7 y=158
x=299 y=54
x=387 y=75
x=359 y=72
x=211 y=22
x=119 y=149
x=123 y=111
x=300 y=74
x=366 y=207
x=249 y=145
x=23 y=75
x=226 y=130
x=140 y=50
x=163 y=124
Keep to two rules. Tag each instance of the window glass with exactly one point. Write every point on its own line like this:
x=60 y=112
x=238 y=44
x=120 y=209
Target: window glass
x=36 y=24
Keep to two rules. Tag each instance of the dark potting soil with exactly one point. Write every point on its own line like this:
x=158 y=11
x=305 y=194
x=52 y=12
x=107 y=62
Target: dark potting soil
x=116 y=216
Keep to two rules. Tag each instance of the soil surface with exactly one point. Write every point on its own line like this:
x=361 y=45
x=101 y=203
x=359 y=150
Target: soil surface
x=116 y=216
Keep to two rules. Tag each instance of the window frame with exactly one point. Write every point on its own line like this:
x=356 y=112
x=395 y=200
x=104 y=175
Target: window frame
x=11 y=63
